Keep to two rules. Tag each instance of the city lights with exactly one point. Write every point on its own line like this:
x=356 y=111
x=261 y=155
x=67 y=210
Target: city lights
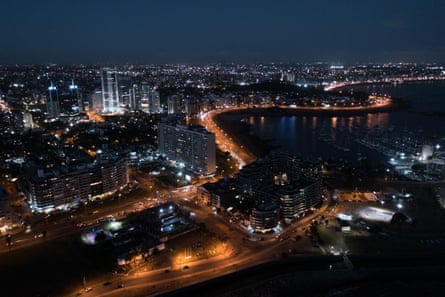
x=175 y=174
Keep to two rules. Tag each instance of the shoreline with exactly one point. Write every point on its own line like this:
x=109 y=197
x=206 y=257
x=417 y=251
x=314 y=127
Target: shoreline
x=396 y=104
x=344 y=85
x=255 y=147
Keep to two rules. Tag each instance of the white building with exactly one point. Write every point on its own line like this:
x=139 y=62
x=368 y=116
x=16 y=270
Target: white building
x=110 y=91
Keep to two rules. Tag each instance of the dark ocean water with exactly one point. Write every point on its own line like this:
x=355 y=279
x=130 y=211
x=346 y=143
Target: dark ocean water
x=423 y=122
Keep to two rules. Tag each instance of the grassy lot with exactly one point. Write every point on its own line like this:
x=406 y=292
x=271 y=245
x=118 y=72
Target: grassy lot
x=49 y=267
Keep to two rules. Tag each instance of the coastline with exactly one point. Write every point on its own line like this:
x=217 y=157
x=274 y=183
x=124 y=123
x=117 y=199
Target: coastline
x=396 y=81
x=255 y=147
x=396 y=104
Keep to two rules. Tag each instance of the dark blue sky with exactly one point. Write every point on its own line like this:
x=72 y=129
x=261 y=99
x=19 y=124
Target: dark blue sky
x=196 y=32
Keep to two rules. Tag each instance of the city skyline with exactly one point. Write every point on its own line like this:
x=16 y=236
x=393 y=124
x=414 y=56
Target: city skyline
x=149 y=179
x=179 y=148
x=200 y=32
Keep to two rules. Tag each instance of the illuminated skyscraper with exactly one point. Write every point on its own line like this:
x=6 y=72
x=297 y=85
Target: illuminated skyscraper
x=52 y=102
x=154 y=101
x=69 y=101
x=135 y=96
x=74 y=90
x=110 y=91
x=150 y=99
x=125 y=85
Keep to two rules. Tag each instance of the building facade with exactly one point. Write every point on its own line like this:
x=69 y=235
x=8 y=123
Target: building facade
x=193 y=146
x=110 y=91
x=150 y=101
x=297 y=199
x=164 y=220
x=52 y=102
x=62 y=189
x=265 y=217
x=70 y=101
x=279 y=187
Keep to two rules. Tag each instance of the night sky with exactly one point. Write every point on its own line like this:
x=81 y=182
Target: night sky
x=199 y=32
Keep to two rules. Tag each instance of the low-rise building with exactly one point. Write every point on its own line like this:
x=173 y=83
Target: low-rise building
x=265 y=216
x=278 y=187
x=164 y=220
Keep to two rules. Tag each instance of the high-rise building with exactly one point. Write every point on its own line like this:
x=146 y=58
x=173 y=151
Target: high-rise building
x=126 y=98
x=27 y=120
x=110 y=91
x=173 y=104
x=192 y=107
x=52 y=102
x=135 y=97
x=194 y=146
x=155 y=101
x=70 y=102
x=96 y=101
x=74 y=90
x=150 y=99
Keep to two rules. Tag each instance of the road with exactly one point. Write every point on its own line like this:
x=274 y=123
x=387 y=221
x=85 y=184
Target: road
x=159 y=281
x=240 y=253
x=224 y=140
x=66 y=224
